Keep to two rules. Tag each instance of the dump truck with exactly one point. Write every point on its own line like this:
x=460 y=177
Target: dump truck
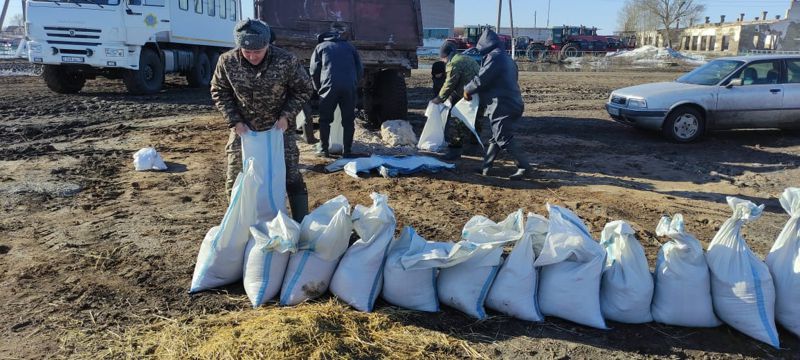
x=386 y=33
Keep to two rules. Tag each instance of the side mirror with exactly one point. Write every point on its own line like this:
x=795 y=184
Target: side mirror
x=734 y=82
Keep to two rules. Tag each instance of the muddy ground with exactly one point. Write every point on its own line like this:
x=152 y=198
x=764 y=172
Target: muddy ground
x=90 y=248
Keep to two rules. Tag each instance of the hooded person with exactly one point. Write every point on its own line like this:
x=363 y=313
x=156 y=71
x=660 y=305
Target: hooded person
x=336 y=70
x=498 y=88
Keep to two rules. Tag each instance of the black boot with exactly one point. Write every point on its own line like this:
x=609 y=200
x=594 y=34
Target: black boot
x=453 y=154
x=298 y=203
x=488 y=158
x=523 y=165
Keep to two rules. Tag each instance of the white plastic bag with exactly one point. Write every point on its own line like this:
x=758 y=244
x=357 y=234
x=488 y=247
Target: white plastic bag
x=336 y=137
x=682 y=294
x=359 y=277
x=571 y=265
x=626 y=290
x=413 y=289
x=266 y=256
x=324 y=236
x=300 y=120
x=467 y=112
x=465 y=285
x=432 y=137
x=221 y=255
x=514 y=290
x=741 y=286
x=784 y=264
x=266 y=148
x=148 y=159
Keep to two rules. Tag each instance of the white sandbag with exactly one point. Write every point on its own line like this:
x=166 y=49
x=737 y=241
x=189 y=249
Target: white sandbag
x=784 y=264
x=336 y=137
x=432 y=137
x=514 y=290
x=266 y=256
x=626 y=290
x=300 y=120
x=467 y=112
x=741 y=286
x=221 y=255
x=148 y=159
x=464 y=286
x=359 y=277
x=571 y=265
x=324 y=236
x=413 y=289
x=682 y=295
x=266 y=148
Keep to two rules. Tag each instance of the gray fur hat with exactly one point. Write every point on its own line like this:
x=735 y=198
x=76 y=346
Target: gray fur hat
x=251 y=34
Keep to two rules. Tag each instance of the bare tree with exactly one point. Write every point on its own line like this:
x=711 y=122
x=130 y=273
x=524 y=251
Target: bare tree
x=17 y=20
x=671 y=12
x=635 y=17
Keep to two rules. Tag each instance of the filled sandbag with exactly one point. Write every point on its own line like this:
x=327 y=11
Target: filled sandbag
x=784 y=264
x=266 y=256
x=514 y=289
x=221 y=255
x=571 y=265
x=266 y=149
x=413 y=289
x=682 y=294
x=324 y=236
x=148 y=159
x=741 y=286
x=626 y=290
x=359 y=277
x=432 y=137
x=465 y=285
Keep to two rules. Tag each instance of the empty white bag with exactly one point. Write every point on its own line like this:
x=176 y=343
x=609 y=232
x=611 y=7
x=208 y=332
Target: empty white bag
x=432 y=137
x=324 y=236
x=359 y=277
x=148 y=159
x=266 y=256
x=626 y=290
x=741 y=286
x=467 y=111
x=221 y=255
x=266 y=148
x=682 y=294
x=336 y=137
x=784 y=264
x=514 y=289
x=413 y=289
x=571 y=265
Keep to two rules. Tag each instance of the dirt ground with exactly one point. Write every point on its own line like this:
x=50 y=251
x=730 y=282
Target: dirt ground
x=90 y=249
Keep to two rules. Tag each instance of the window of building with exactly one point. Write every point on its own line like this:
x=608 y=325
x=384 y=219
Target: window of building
x=712 y=43
x=212 y=7
x=703 y=43
x=726 y=43
x=183 y=5
x=695 y=40
x=686 y=41
x=198 y=6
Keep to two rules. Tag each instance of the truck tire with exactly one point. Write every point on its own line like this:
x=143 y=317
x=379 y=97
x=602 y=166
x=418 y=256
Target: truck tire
x=389 y=100
x=150 y=76
x=200 y=74
x=61 y=80
x=214 y=57
x=537 y=52
x=571 y=50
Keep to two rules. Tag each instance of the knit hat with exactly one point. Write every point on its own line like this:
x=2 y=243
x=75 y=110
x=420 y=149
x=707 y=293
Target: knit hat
x=251 y=34
x=448 y=48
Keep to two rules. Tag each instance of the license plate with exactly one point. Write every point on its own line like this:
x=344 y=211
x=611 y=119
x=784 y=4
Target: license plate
x=72 y=59
x=613 y=111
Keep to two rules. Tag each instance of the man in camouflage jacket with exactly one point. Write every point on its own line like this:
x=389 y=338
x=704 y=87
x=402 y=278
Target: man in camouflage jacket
x=257 y=87
x=460 y=70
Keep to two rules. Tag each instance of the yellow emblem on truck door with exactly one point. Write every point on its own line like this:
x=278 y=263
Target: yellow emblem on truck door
x=150 y=20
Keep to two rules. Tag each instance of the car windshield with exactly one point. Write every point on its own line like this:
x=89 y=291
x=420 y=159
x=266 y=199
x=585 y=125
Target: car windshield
x=711 y=73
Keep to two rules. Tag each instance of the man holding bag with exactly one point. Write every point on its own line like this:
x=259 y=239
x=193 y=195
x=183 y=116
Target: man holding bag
x=258 y=87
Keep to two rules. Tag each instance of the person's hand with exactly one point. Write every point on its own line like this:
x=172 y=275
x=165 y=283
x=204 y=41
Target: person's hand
x=467 y=96
x=241 y=129
x=437 y=100
x=283 y=123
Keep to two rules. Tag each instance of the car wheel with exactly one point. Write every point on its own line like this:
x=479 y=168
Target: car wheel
x=684 y=125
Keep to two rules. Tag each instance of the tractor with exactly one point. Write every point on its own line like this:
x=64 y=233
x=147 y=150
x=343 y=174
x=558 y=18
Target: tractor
x=574 y=41
x=471 y=35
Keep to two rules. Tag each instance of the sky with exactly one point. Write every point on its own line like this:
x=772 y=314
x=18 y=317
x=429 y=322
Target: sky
x=599 y=13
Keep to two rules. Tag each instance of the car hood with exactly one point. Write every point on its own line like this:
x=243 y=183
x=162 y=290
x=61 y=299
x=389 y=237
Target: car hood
x=655 y=89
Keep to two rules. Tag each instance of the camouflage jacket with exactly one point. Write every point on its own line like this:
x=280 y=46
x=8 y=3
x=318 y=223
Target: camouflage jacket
x=460 y=71
x=259 y=95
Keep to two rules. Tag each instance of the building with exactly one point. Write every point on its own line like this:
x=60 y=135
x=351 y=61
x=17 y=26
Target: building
x=438 y=18
x=535 y=34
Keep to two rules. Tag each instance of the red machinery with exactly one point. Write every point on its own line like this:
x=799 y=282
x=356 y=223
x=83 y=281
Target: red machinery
x=574 y=41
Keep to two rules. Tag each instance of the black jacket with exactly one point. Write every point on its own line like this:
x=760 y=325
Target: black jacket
x=498 y=78
x=335 y=65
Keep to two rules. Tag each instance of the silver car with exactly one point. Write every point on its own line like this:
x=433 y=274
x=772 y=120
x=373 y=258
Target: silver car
x=726 y=93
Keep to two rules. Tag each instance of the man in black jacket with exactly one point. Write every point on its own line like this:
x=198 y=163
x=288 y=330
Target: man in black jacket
x=497 y=86
x=336 y=71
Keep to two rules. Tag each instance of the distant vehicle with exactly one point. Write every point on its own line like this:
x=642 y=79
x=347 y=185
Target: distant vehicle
x=727 y=93
x=137 y=41
x=575 y=41
x=472 y=33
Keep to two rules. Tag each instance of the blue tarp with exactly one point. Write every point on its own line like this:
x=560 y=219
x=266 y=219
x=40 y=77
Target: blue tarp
x=388 y=166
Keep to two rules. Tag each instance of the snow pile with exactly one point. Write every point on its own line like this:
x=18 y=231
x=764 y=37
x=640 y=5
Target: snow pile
x=651 y=55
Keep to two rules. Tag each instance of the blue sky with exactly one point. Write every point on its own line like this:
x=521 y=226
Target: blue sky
x=599 y=13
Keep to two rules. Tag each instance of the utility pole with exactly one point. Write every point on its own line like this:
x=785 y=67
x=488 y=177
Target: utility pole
x=535 y=18
x=548 y=13
x=499 y=12
x=3 y=14
x=513 y=37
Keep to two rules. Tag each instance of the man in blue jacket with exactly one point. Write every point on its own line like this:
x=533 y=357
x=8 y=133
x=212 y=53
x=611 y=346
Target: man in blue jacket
x=497 y=86
x=336 y=71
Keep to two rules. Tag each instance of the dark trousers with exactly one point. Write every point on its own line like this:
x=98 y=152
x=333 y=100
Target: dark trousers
x=346 y=100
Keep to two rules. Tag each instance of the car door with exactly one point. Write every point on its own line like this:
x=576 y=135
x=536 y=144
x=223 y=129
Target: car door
x=757 y=102
x=791 y=96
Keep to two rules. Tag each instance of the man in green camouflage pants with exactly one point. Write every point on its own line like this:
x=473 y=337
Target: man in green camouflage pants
x=460 y=71
x=257 y=87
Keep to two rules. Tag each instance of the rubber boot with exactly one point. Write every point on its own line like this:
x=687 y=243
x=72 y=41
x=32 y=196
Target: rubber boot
x=308 y=133
x=298 y=203
x=489 y=157
x=453 y=154
x=523 y=165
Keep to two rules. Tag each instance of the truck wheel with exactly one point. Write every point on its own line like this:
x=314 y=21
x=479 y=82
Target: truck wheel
x=214 y=57
x=390 y=101
x=684 y=125
x=571 y=50
x=200 y=74
x=150 y=76
x=536 y=52
x=61 y=80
